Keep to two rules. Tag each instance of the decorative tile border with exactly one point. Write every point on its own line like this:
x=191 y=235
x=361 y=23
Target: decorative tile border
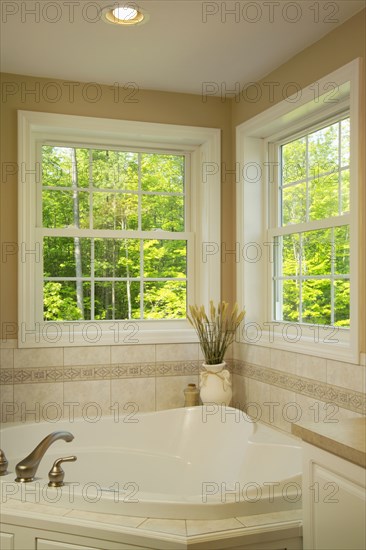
x=343 y=397
x=97 y=372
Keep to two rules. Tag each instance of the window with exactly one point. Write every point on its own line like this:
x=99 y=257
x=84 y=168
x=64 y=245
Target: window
x=311 y=275
x=101 y=210
x=298 y=213
x=113 y=218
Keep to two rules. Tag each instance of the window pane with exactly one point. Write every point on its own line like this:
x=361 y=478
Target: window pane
x=117 y=300
x=316 y=302
x=291 y=300
x=294 y=161
x=341 y=245
x=162 y=173
x=294 y=204
x=61 y=254
x=117 y=258
x=342 y=303
x=324 y=150
x=65 y=166
x=65 y=209
x=115 y=169
x=115 y=211
x=162 y=212
x=323 y=197
x=316 y=252
x=165 y=300
x=60 y=301
x=165 y=258
x=291 y=254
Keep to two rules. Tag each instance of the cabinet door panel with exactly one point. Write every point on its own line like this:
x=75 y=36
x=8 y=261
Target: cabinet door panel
x=6 y=541
x=44 y=544
x=338 y=513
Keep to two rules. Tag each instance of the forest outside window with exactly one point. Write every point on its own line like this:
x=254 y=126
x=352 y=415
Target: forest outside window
x=311 y=278
x=115 y=239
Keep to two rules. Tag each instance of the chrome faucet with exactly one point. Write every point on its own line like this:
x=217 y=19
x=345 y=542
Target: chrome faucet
x=26 y=469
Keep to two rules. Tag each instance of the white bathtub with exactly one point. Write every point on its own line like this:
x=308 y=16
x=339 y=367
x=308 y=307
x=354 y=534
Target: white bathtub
x=191 y=463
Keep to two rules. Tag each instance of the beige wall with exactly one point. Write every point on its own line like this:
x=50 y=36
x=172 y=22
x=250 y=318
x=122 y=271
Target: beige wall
x=334 y=50
x=151 y=106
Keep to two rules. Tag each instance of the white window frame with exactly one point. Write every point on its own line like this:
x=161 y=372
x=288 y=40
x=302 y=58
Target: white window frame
x=332 y=95
x=203 y=210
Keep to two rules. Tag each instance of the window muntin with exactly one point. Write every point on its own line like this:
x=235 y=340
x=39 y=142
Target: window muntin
x=311 y=278
x=135 y=273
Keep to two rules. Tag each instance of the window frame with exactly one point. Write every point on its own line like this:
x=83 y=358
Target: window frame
x=330 y=96
x=202 y=211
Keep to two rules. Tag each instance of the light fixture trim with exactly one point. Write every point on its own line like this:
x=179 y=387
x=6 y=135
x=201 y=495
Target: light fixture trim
x=133 y=15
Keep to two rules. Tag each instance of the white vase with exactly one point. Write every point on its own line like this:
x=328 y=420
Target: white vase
x=215 y=384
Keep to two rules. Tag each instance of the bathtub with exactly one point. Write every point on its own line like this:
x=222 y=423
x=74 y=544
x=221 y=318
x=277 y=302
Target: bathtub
x=206 y=462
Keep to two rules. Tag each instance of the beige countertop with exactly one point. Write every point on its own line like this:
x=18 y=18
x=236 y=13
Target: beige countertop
x=346 y=438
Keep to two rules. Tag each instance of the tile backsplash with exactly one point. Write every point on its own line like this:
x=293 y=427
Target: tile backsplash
x=51 y=383
x=280 y=387
x=275 y=386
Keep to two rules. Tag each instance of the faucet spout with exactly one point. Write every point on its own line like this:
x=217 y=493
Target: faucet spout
x=26 y=469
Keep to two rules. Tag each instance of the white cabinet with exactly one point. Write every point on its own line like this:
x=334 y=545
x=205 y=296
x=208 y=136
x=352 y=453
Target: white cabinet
x=6 y=541
x=44 y=544
x=334 y=501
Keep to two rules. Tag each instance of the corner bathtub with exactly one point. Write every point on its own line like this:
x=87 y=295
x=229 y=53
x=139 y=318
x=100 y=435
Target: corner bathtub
x=205 y=462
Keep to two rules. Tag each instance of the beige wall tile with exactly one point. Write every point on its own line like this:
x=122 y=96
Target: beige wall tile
x=169 y=390
x=9 y=343
x=283 y=360
x=6 y=358
x=240 y=391
x=133 y=354
x=38 y=357
x=176 y=352
x=258 y=399
x=314 y=410
x=256 y=355
x=345 y=413
x=88 y=355
x=91 y=397
x=311 y=367
x=7 y=403
x=138 y=391
x=38 y=402
x=346 y=375
x=283 y=409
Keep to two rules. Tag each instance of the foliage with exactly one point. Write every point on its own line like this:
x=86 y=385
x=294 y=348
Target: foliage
x=89 y=277
x=139 y=277
x=217 y=331
x=312 y=267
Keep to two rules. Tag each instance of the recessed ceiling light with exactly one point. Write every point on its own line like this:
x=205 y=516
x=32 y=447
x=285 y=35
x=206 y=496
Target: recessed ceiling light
x=127 y=14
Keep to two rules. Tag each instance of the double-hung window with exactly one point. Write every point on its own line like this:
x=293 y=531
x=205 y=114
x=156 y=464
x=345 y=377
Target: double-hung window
x=113 y=218
x=311 y=226
x=298 y=207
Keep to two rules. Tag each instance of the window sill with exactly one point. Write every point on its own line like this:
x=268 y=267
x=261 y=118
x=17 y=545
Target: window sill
x=106 y=333
x=328 y=342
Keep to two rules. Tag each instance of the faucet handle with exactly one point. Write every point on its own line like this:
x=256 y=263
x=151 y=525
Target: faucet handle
x=56 y=474
x=3 y=464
